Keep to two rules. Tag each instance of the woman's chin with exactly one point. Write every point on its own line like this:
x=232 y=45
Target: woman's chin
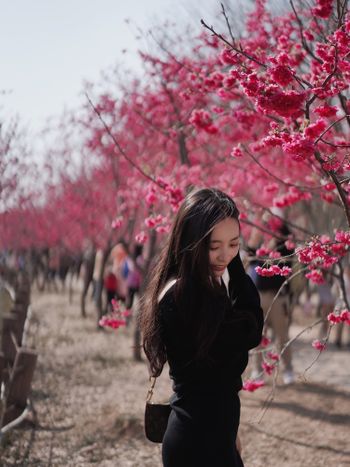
x=218 y=273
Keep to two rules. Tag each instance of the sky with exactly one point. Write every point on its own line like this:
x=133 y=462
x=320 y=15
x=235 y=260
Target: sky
x=49 y=47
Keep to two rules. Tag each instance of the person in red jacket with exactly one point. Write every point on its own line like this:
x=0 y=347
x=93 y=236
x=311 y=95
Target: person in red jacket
x=110 y=285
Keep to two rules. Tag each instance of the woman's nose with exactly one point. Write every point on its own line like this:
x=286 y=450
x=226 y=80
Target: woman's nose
x=224 y=255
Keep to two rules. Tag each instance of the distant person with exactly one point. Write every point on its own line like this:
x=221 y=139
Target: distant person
x=279 y=317
x=111 y=286
x=118 y=256
x=134 y=276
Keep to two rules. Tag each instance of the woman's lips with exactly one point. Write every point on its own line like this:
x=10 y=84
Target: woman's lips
x=219 y=268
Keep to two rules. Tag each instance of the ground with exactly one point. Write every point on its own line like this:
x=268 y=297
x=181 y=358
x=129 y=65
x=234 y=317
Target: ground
x=89 y=395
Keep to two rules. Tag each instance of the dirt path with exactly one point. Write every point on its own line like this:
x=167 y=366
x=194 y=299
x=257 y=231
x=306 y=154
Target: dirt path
x=89 y=398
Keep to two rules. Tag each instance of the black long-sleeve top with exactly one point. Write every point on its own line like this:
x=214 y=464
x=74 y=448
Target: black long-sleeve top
x=239 y=329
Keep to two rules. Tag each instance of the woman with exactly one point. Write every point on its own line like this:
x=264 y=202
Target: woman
x=204 y=328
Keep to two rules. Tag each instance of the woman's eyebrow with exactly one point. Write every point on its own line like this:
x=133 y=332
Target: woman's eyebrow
x=220 y=241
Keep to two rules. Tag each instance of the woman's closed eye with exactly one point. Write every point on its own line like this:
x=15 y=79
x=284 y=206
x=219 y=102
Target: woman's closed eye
x=214 y=248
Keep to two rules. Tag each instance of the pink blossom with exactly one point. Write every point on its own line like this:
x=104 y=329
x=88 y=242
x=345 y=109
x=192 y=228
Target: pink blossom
x=292 y=197
x=289 y=244
x=316 y=251
x=275 y=254
x=265 y=341
x=251 y=85
x=281 y=74
x=323 y=9
x=326 y=110
x=342 y=236
x=273 y=356
x=315 y=129
x=283 y=58
x=265 y=272
x=262 y=251
x=236 y=152
x=309 y=36
x=334 y=318
x=315 y=276
x=229 y=81
x=252 y=386
x=268 y=368
x=141 y=238
x=324 y=239
x=345 y=317
x=151 y=197
x=111 y=322
x=329 y=186
x=338 y=249
x=299 y=147
x=175 y=196
x=163 y=228
x=118 y=221
x=201 y=119
x=285 y=104
x=275 y=269
x=318 y=345
x=228 y=57
x=285 y=271
x=331 y=164
x=115 y=305
x=152 y=221
x=271 y=188
x=328 y=197
x=272 y=140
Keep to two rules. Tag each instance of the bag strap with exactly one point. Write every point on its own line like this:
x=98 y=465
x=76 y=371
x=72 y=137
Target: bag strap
x=152 y=380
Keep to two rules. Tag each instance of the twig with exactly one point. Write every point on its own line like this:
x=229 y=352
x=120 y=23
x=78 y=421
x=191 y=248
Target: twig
x=331 y=126
x=301 y=30
x=227 y=22
x=240 y=51
x=340 y=190
x=318 y=354
x=120 y=149
x=280 y=180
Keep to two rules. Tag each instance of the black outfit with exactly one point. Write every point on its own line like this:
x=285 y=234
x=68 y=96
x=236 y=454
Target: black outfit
x=203 y=424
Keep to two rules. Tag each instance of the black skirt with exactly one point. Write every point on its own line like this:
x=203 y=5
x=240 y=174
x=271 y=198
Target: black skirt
x=202 y=431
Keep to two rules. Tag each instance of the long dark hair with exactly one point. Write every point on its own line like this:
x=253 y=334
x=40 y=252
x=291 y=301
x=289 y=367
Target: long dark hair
x=186 y=258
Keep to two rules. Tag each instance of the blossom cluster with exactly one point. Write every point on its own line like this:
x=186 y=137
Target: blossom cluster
x=322 y=253
x=116 y=318
x=273 y=270
x=319 y=345
x=253 y=385
x=341 y=317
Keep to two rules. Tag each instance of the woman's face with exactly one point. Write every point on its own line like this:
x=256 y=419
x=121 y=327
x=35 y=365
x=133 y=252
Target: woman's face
x=224 y=245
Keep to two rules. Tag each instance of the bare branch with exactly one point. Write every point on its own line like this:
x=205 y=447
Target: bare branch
x=340 y=190
x=227 y=22
x=120 y=149
x=232 y=46
x=301 y=30
x=329 y=127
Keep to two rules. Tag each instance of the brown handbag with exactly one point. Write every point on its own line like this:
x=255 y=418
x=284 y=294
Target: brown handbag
x=156 y=417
